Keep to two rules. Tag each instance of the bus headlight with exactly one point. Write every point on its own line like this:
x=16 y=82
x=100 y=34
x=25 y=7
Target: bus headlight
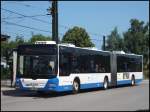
x=17 y=85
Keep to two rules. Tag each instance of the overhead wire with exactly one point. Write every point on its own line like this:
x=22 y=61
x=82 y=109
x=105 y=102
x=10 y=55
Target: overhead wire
x=11 y=23
x=24 y=4
x=32 y=17
x=24 y=16
x=27 y=5
x=66 y=27
x=15 y=24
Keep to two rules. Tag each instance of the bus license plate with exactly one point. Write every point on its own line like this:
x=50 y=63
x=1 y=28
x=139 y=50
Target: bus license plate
x=33 y=88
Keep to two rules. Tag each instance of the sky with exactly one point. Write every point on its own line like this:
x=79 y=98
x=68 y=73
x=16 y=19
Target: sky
x=97 y=17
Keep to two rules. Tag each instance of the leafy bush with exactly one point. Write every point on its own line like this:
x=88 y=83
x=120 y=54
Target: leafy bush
x=5 y=73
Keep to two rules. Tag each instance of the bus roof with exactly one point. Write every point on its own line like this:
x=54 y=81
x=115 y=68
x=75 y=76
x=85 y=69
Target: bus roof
x=94 y=49
x=84 y=48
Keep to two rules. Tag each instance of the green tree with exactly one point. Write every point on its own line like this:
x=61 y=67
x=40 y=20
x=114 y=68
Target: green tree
x=9 y=45
x=77 y=36
x=6 y=51
x=134 y=37
x=39 y=37
x=114 y=41
x=136 y=40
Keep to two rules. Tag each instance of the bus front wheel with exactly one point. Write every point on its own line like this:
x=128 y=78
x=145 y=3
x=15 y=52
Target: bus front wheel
x=76 y=86
x=133 y=81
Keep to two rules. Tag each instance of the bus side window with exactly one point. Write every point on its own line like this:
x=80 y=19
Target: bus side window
x=65 y=63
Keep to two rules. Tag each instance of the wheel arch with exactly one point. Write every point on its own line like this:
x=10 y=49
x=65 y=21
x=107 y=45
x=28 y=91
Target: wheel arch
x=133 y=75
x=106 y=78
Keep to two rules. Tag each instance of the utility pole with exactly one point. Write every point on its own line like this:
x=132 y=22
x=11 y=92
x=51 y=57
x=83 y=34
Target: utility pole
x=104 y=43
x=54 y=12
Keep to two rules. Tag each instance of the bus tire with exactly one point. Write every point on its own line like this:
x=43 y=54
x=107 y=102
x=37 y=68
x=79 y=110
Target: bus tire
x=76 y=86
x=133 y=81
x=105 y=84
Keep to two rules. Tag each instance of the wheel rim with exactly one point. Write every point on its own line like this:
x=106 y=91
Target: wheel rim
x=76 y=86
x=105 y=84
x=132 y=82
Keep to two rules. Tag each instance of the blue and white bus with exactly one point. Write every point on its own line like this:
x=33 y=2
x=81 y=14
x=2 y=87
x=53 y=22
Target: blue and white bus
x=47 y=66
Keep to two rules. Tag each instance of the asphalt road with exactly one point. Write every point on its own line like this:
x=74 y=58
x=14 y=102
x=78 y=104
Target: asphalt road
x=115 y=99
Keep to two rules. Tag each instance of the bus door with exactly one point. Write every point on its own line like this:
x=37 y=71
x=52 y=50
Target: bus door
x=113 y=70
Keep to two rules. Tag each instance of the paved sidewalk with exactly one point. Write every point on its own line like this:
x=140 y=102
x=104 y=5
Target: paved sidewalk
x=7 y=88
x=6 y=83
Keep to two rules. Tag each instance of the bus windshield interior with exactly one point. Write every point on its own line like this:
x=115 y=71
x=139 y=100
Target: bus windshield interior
x=37 y=66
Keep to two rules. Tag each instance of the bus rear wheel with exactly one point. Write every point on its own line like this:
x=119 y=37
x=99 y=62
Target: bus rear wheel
x=105 y=84
x=76 y=86
x=133 y=81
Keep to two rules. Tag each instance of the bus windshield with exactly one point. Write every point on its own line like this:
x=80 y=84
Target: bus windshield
x=37 y=66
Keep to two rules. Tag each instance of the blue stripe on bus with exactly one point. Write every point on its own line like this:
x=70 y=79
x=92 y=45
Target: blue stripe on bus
x=91 y=85
x=82 y=86
x=128 y=81
x=62 y=88
x=138 y=81
x=69 y=87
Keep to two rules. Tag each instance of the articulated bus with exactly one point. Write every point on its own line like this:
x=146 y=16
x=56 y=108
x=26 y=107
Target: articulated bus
x=47 y=66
